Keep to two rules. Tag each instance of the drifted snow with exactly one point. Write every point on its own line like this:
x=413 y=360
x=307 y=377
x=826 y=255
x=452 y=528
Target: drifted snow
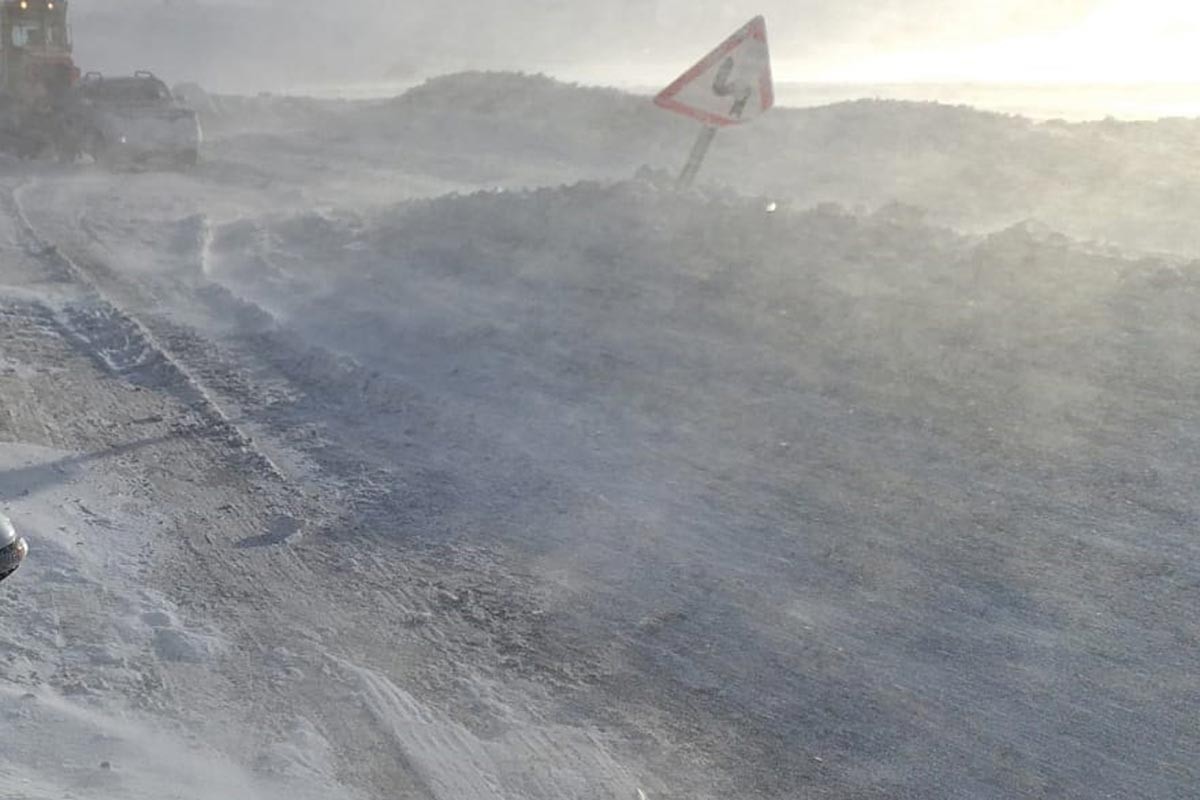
x=81 y=638
x=606 y=489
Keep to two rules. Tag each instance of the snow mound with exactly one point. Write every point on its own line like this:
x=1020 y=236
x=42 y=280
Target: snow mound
x=551 y=290
x=969 y=168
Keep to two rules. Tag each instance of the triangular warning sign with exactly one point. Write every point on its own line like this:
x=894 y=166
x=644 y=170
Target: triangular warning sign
x=730 y=85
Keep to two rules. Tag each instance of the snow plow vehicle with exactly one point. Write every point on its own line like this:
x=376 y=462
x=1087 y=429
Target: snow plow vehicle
x=48 y=110
x=36 y=76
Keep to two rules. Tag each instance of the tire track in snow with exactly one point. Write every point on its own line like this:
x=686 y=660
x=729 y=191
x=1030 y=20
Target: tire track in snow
x=131 y=333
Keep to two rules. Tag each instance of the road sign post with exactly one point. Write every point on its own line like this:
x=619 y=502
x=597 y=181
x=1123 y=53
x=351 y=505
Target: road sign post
x=699 y=151
x=729 y=86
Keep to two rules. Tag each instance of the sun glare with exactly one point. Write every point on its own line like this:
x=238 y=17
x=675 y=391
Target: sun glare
x=1121 y=41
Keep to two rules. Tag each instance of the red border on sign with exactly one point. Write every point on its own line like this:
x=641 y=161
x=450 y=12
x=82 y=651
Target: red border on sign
x=754 y=29
x=707 y=117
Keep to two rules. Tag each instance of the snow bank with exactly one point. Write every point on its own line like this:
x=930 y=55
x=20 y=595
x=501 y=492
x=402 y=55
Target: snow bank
x=578 y=276
x=1123 y=182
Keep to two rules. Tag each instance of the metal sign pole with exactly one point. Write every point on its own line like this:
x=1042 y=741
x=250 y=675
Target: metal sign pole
x=729 y=86
x=699 y=151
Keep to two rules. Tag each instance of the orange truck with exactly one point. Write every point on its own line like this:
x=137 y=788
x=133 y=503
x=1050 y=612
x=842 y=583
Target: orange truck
x=47 y=109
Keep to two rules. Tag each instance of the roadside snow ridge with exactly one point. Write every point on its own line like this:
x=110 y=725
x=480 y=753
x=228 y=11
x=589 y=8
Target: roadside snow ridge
x=554 y=762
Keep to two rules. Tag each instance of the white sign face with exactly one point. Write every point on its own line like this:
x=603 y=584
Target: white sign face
x=730 y=85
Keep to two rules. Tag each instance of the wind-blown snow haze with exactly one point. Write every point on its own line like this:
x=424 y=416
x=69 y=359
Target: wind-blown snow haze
x=387 y=419
x=259 y=45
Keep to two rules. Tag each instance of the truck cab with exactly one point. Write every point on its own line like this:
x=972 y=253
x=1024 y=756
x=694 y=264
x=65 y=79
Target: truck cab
x=47 y=108
x=135 y=121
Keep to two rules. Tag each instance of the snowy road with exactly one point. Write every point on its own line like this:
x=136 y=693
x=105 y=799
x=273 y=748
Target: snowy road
x=178 y=624
x=583 y=490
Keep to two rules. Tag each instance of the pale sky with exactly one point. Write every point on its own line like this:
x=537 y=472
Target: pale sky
x=251 y=44
x=1106 y=41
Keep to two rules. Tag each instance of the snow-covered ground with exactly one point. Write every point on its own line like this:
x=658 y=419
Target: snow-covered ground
x=417 y=448
x=90 y=647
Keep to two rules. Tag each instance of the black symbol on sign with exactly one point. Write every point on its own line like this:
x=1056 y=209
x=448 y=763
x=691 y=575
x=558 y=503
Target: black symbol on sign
x=723 y=87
